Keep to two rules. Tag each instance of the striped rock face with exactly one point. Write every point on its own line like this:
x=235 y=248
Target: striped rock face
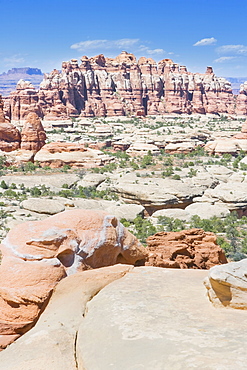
x=36 y=255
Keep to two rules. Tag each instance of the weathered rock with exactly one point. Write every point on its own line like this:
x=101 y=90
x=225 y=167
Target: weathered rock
x=178 y=213
x=223 y=146
x=53 y=181
x=192 y=248
x=23 y=101
x=46 y=206
x=127 y=211
x=227 y=285
x=206 y=210
x=33 y=135
x=75 y=155
x=9 y=136
x=154 y=194
x=142 y=148
x=91 y=179
x=232 y=194
x=243 y=134
x=2 y=115
x=36 y=255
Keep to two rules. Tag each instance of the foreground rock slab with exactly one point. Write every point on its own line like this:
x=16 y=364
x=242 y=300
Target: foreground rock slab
x=51 y=343
x=150 y=318
x=160 y=319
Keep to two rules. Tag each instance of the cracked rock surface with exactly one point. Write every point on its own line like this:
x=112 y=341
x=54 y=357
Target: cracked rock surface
x=51 y=344
x=124 y=317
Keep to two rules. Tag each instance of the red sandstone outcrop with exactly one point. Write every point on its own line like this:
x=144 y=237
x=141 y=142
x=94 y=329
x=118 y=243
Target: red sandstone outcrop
x=2 y=115
x=23 y=101
x=9 y=135
x=33 y=135
x=36 y=255
x=102 y=86
x=241 y=102
x=192 y=248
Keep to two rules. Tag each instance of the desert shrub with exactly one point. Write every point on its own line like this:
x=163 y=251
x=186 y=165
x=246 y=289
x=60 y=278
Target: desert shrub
x=147 y=160
x=35 y=192
x=30 y=167
x=171 y=224
x=168 y=172
x=141 y=228
x=4 y=185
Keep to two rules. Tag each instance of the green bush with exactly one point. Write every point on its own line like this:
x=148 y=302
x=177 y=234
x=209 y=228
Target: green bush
x=4 y=185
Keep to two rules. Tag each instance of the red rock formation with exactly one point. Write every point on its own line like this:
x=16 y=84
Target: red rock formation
x=9 y=135
x=24 y=100
x=2 y=115
x=193 y=248
x=102 y=86
x=36 y=255
x=33 y=135
x=241 y=101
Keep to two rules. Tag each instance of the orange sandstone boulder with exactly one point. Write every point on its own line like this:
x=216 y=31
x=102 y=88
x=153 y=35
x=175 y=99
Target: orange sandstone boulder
x=33 y=135
x=36 y=255
x=9 y=135
x=192 y=248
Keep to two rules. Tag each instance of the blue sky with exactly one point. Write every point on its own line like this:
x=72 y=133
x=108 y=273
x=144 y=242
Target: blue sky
x=195 y=33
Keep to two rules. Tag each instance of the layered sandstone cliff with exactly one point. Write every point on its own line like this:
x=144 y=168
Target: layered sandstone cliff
x=102 y=86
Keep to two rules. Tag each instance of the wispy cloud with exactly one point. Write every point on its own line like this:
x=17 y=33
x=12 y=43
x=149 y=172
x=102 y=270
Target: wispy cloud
x=135 y=46
x=224 y=59
x=14 y=60
x=205 y=42
x=146 y=49
x=104 y=44
x=232 y=49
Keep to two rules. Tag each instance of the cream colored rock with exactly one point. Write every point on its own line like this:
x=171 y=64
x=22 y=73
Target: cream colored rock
x=170 y=325
x=227 y=285
x=45 y=206
x=142 y=148
x=91 y=179
x=56 y=155
x=178 y=213
x=53 y=181
x=156 y=193
x=207 y=210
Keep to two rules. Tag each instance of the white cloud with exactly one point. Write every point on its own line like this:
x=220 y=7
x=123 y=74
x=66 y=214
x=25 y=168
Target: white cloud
x=104 y=44
x=223 y=59
x=114 y=46
x=14 y=60
x=155 y=51
x=232 y=49
x=146 y=49
x=205 y=42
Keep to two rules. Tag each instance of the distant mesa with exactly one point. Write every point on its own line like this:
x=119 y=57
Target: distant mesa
x=25 y=70
x=9 y=80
